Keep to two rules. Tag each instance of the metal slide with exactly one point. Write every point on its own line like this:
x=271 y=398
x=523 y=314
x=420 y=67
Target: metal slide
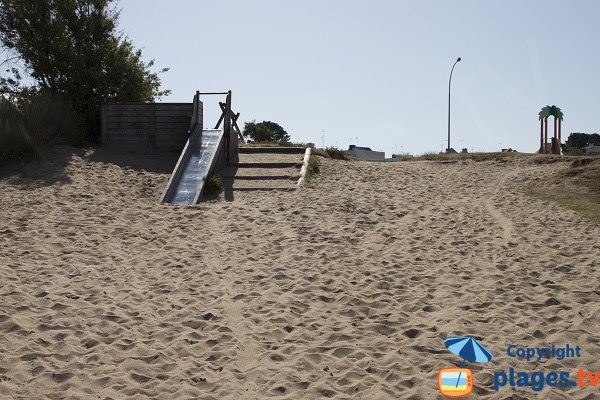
x=195 y=163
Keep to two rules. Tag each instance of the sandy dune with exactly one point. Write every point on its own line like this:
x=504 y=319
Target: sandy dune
x=344 y=289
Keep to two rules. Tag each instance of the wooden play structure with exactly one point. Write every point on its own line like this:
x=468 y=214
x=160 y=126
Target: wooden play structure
x=543 y=115
x=205 y=152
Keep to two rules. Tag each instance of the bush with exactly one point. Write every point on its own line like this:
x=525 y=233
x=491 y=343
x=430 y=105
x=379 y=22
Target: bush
x=334 y=152
x=75 y=49
x=34 y=121
x=212 y=185
x=266 y=131
x=312 y=168
x=573 y=151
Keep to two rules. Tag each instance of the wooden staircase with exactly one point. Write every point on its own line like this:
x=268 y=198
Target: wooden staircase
x=263 y=169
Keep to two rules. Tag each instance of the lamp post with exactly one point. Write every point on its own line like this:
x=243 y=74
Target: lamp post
x=449 y=82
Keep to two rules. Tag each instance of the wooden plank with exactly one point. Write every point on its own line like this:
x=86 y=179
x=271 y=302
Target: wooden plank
x=119 y=107
x=128 y=125
x=176 y=111
x=173 y=138
x=104 y=139
x=152 y=133
x=171 y=126
x=113 y=114
x=117 y=129
x=158 y=105
x=178 y=119
x=135 y=118
x=185 y=120
x=171 y=143
x=142 y=141
x=182 y=111
x=144 y=107
x=172 y=133
x=127 y=134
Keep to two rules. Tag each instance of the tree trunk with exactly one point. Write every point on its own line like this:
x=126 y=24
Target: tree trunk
x=545 y=135
x=554 y=138
x=541 y=135
x=559 y=123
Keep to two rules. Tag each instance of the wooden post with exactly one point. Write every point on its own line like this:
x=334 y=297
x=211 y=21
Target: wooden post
x=152 y=138
x=195 y=111
x=541 y=135
x=546 y=135
x=104 y=111
x=227 y=127
x=555 y=137
x=222 y=105
x=559 y=123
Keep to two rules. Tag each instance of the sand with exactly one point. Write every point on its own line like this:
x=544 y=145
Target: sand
x=344 y=289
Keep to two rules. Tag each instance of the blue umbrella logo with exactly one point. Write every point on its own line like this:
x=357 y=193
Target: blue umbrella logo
x=469 y=349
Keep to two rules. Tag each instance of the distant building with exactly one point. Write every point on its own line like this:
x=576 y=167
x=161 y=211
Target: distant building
x=365 y=153
x=592 y=150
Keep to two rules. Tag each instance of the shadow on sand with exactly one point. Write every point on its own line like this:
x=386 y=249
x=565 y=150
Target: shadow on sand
x=49 y=169
x=52 y=165
x=157 y=161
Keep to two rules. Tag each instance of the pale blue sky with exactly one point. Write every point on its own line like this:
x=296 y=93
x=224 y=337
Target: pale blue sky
x=378 y=70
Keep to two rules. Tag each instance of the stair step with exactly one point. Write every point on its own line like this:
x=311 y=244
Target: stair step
x=262 y=189
x=262 y=177
x=268 y=164
x=271 y=149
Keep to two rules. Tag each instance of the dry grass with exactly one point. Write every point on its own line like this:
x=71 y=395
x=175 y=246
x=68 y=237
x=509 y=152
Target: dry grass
x=276 y=144
x=313 y=168
x=464 y=156
x=576 y=188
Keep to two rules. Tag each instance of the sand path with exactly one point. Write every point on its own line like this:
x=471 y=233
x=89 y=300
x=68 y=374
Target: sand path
x=344 y=289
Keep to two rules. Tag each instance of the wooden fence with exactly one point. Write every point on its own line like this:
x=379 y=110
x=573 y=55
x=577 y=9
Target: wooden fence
x=161 y=126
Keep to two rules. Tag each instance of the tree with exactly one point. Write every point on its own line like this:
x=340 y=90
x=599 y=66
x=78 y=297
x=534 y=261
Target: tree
x=72 y=48
x=265 y=131
x=543 y=115
x=578 y=140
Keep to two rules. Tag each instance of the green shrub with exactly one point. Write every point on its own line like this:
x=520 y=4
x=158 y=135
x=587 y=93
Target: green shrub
x=212 y=185
x=312 y=168
x=34 y=121
x=275 y=143
x=334 y=152
x=573 y=151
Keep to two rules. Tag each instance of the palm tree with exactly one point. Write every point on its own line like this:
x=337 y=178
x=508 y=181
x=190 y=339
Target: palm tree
x=544 y=114
x=558 y=116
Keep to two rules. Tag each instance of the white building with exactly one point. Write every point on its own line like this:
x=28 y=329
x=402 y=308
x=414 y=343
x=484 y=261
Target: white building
x=365 y=153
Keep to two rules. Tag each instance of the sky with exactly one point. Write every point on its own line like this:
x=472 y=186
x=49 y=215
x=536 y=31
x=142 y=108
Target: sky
x=375 y=73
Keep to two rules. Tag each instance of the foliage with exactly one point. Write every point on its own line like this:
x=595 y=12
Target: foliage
x=578 y=140
x=72 y=48
x=33 y=122
x=334 y=152
x=276 y=144
x=576 y=188
x=549 y=111
x=312 y=168
x=266 y=131
x=213 y=185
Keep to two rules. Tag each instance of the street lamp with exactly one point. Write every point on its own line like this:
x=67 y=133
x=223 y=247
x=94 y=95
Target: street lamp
x=449 y=82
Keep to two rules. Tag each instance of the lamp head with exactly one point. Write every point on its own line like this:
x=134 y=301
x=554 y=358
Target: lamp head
x=458 y=59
